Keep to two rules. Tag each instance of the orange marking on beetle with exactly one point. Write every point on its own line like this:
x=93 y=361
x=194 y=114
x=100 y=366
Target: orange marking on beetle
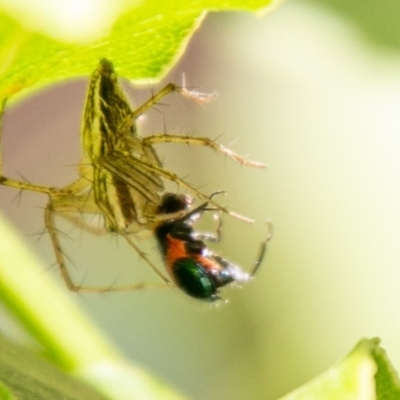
x=207 y=263
x=175 y=250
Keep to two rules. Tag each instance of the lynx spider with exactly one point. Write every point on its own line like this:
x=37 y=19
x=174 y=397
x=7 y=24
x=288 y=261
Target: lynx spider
x=120 y=175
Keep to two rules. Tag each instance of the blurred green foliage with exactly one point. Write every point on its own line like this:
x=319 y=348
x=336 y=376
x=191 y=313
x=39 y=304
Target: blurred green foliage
x=379 y=23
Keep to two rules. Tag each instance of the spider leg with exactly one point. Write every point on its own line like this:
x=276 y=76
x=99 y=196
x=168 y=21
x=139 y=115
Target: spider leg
x=123 y=167
x=68 y=208
x=263 y=249
x=211 y=236
x=201 y=141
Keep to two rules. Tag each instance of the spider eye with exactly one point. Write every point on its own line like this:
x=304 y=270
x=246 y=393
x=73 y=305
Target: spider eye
x=193 y=279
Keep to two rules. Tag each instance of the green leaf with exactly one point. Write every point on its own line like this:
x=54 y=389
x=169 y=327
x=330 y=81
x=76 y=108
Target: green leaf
x=66 y=335
x=365 y=374
x=146 y=38
x=24 y=375
x=5 y=392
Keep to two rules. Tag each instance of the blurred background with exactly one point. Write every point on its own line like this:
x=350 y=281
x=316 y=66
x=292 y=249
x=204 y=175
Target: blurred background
x=313 y=90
